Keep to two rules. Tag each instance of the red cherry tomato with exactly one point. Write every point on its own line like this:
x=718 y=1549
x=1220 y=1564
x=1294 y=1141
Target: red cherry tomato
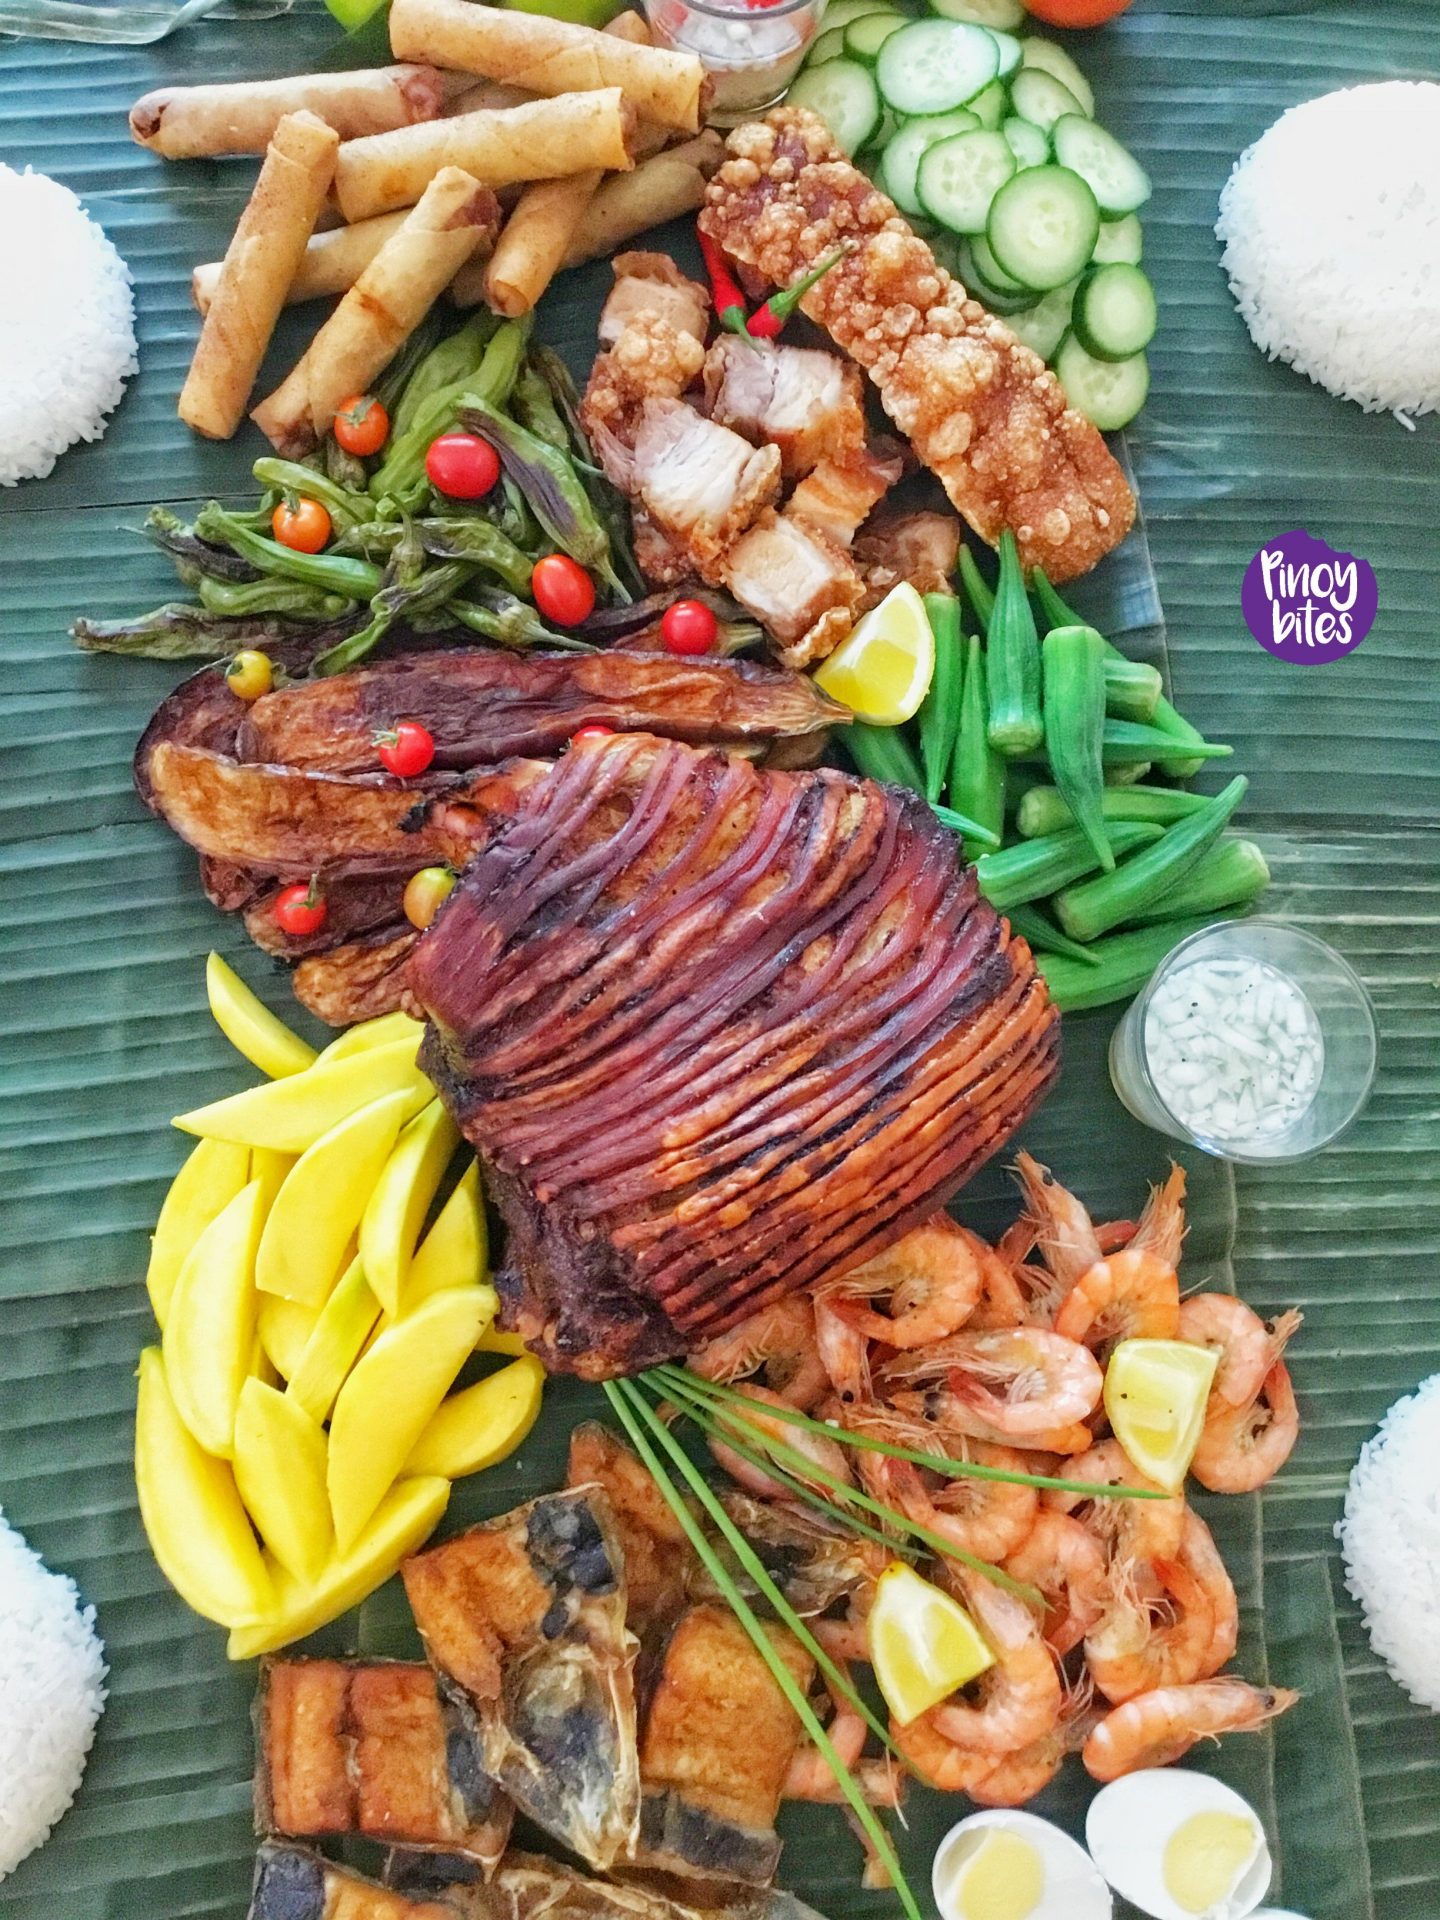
x=562 y=590
x=362 y=425
x=462 y=465
x=595 y=732
x=299 y=910
x=406 y=749
x=300 y=524
x=689 y=627
x=1076 y=13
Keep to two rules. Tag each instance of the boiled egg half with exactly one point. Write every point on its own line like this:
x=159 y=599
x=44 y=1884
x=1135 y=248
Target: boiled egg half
x=1003 y=1865
x=1179 y=1846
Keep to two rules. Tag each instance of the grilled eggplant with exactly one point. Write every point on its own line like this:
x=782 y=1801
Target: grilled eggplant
x=292 y=1883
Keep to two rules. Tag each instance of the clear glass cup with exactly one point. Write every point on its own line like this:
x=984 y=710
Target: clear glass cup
x=1347 y=1029
x=750 y=52
x=122 y=23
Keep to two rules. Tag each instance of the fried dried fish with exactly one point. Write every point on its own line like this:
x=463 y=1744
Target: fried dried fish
x=659 y=1560
x=292 y=1883
x=527 y=1887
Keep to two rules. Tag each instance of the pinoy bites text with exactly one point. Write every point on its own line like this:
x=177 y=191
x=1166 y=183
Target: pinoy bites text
x=1306 y=603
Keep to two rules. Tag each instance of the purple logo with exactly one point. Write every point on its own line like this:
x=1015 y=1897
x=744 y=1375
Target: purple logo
x=1306 y=603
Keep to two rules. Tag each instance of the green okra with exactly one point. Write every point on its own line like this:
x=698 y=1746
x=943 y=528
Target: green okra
x=1126 y=962
x=977 y=589
x=1045 y=937
x=1231 y=874
x=1031 y=869
x=1072 y=664
x=940 y=713
x=1012 y=659
x=1043 y=809
x=977 y=772
x=882 y=753
x=1089 y=908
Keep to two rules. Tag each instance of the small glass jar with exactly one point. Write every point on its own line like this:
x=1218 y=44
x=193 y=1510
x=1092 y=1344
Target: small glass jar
x=750 y=52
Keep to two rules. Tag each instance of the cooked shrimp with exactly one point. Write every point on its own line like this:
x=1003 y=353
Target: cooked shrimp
x=1133 y=1530
x=1132 y=1295
x=778 y=1344
x=1019 y=1699
x=989 y=1779
x=1243 y=1447
x=930 y=1279
x=1002 y=1301
x=809 y=1776
x=1156 y=1728
x=985 y=1518
x=1021 y=1380
x=1246 y=1347
x=844 y=1352
x=1062 y=1228
x=946 y=1413
x=828 y=1455
x=1067 y=1563
x=1199 y=1553
x=1187 y=1634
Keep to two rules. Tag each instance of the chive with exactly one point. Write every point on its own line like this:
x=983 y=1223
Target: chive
x=1043 y=937
x=1230 y=875
x=1012 y=656
x=977 y=772
x=1043 y=810
x=1033 y=868
x=1072 y=662
x=940 y=714
x=1092 y=907
x=1127 y=961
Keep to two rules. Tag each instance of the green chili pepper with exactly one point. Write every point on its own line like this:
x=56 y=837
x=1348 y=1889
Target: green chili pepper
x=287 y=597
x=482 y=544
x=452 y=363
x=977 y=591
x=345 y=508
x=389 y=387
x=1230 y=875
x=1031 y=869
x=1126 y=962
x=535 y=408
x=508 y=621
x=1043 y=937
x=344 y=469
x=1043 y=809
x=402 y=472
x=1071 y=661
x=175 y=632
x=331 y=572
x=940 y=714
x=194 y=559
x=977 y=772
x=1012 y=658
x=1092 y=907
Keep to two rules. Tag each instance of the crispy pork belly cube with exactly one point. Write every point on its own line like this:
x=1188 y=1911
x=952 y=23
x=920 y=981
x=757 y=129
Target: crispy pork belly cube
x=794 y=582
x=838 y=496
x=652 y=285
x=700 y=483
x=808 y=403
x=652 y=359
x=919 y=547
x=663 y=563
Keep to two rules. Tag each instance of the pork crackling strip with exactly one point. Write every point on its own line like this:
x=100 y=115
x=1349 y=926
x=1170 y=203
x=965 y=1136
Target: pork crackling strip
x=259 y=265
x=240 y=116
x=380 y=311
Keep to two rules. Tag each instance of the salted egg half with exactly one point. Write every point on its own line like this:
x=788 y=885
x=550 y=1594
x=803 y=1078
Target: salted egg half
x=1006 y=1865
x=1179 y=1846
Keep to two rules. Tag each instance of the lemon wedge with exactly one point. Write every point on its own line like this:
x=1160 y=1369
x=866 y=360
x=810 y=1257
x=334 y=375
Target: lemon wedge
x=883 y=668
x=923 y=1645
x=1155 y=1394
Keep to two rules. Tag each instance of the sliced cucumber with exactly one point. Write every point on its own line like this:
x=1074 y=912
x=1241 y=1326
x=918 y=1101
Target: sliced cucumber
x=989 y=105
x=1115 y=312
x=900 y=167
x=1040 y=98
x=826 y=46
x=1005 y=14
x=865 y=37
x=1108 y=392
x=960 y=177
x=991 y=271
x=844 y=95
x=1116 y=178
x=1029 y=145
x=886 y=131
x=1003 y=296
x=1042 y=226
x=1119 y=240
x=1009 y=52
x=839 y=13
x=1054 y=60
x=1042 y=327
x=934 y=65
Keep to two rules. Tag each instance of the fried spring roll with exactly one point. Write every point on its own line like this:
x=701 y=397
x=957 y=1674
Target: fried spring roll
x=380 y=311
x=240 y=116
x=331 y=264
x=258 y=267
x=540 y=141
x=534 y=241
x=550 y=56
x=671 y=184
x=476 y=96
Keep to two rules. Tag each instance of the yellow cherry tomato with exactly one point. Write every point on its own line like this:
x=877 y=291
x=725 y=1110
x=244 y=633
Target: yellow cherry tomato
x=426 y=893
x=250 y=674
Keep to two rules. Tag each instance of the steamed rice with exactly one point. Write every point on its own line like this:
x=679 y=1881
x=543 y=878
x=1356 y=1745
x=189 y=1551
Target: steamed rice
x=1390 y=1538
x=67 y=325
x=1331 y=226
x=52 y=1670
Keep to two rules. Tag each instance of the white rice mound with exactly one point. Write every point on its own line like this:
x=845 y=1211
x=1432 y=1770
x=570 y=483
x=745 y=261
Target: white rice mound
x=1390 y=1539
x=52 y=1670
x=67 y=325
x=1331 y=228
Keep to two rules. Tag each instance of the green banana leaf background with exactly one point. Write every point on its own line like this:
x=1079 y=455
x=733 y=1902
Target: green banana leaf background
x=103 y=931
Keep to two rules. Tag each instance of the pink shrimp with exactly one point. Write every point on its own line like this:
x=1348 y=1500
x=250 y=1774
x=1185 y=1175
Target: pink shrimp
x=931 y=1280
x=1156 y=1728
x=778 y=1344
x=981 y=1517
x=828 y=1455
x=844 y=1353
x=1060 y=1224
x=1186 y=1635
x=1002 y=1302
x=1019 y=1380
x=1133 y=1294
x=809 y=1776
x=1241 y=1448
x=1019 y=1699
x=1246 y=1347
x=1133 y=1530
x=946 y=1413
x=1067 y=1563
x=989 y=1779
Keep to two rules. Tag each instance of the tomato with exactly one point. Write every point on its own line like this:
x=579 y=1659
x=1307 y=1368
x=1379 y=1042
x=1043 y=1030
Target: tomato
x=250 y=674
x=689 y=627
x=362 y=425
x=300 y=524
x=425 y=893
x=299 y=910
x=462 y=465
x=1075 y=13
x=562 y=590
x=596 y=732
x=406 y=749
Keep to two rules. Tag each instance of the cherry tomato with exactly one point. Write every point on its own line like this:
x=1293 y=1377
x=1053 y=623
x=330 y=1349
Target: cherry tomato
x=250 y=674
x=1076 y=13
x=462 y=465
x=299 y=910
x=596 y=732
x=406 y=749
x=303 y=525
x=362 y=425
x=689 y=627
x=425 y=893
x=562 y=590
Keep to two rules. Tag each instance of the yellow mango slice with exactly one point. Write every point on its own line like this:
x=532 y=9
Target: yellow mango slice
x=396 y=1209
x=403 y=1521
x=262 y=1367
x=317 y=1210
x=280 y=1471
x=285 y=1328
x=346 y=1321
x=455 y=1252
x=270 y=1169
x=210 y=1328
x=249 y=1025
x=389 y=1400
x=383 y=1032
x=212 y=1175
x=479 y=1426
x=292 y=1114
x=495 y=1340
x=196 y=1525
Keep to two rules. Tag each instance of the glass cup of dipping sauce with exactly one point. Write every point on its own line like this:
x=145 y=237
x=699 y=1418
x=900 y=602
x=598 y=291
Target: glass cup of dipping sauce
x=751 y=52
x=1253 y=1041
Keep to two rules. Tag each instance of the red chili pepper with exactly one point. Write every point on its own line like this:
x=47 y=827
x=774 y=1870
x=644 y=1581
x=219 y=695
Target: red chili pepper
x=767 y=321
x=725 y=290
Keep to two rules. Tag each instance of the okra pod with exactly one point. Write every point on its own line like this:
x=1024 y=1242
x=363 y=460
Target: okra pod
x=1033 y=868
x=1043 y=809
x=968 y=829
x=1012 y=659
x=1230 y=875
x=940 y=715
x=330 y=572
x=1132 y=690
x=977 y=772
x=1072 y=661
x=1044 y=937
x=977 y=588
x=1128 y=775
x=1089 y=908
x=1127 y=961
x=1126 y=743
x=881 y=753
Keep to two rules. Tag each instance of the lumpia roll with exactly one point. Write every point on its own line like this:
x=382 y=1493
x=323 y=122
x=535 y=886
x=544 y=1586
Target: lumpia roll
x=332 y=262
x=550 y=56
x=239 y=116
x=476 y=95
x=627 y=204
x=631 y=26
x=534 y=241
x=258 y=267
x=540 y=141
x=384 y=306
